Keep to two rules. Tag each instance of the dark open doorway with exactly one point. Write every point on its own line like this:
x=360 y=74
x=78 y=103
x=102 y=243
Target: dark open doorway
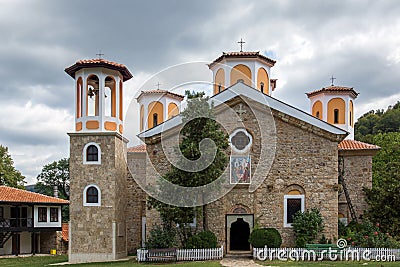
x=239 y=235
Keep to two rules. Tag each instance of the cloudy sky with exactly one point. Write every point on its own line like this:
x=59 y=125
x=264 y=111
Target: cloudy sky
x=356 y=41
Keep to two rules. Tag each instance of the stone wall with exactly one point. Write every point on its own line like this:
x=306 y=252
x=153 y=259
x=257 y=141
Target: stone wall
x=306 y=157
x=136 y=201
x=98 y=232
x=48 y=241
x=357 y=175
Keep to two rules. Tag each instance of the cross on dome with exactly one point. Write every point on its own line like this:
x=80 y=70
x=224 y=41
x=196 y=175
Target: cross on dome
x=241 y=42
x=100 y=54
x=332 y=79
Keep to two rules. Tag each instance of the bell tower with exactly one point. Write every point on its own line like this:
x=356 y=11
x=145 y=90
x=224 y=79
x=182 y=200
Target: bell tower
x=98 y=170
x=335 y=105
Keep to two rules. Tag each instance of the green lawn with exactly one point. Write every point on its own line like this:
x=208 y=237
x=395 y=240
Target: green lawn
x=329 y=263
x=39 y=261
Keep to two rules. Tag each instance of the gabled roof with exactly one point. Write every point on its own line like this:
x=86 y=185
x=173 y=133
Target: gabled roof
x=356 y=145
x=137 y=149
x=99 y=62
x=15 y=195
x=334 y=89
x=255 y=95
x=227 y=55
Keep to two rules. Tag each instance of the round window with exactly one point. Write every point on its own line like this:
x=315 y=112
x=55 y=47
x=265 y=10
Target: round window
x=240 y=140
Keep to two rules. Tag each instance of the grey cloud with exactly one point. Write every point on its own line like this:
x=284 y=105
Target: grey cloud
x=40 y=38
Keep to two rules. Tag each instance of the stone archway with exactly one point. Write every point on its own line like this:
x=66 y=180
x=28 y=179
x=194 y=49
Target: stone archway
x=238 y=228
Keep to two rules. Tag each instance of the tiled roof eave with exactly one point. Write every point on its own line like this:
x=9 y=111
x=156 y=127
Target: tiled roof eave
x=99 y=63
x=224 y=55
x=161 y=92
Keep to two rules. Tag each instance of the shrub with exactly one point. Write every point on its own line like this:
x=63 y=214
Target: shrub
x=307 y=226
x=367 y=234
x=262 y=237
x=161 y=237
x=206 y=239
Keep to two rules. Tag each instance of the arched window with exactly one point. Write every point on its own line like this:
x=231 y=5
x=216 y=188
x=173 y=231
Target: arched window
x=219 y=81
x=79 y=97
x=121 y=101
x=91 y=195
x=155 y=114
x=293 y=202
x=173 y=110
x=92 y=96
x=241 y=73
x=336 y=115
x=141 y=117
x=317 y=109
x=336 y=111
x=351 y=120
x=155 y=119
x=91 y=153
x=263 y=81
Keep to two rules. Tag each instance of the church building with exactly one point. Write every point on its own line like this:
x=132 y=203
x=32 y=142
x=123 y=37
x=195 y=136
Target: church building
x=282 y=159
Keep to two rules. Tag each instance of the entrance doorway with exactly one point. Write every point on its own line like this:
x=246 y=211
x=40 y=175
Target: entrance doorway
x=15 y=250
x=239 y=236
x=238 y=231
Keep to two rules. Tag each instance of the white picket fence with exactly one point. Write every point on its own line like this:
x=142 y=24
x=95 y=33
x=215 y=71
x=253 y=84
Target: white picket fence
x=356 y=254
x=189 y=254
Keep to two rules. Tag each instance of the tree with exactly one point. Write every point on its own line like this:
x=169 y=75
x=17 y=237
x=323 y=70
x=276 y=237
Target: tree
x=55 y=174
x=382 y=128
x=200 y=124
x=307 y=226
x=375 y=122
x=9 y=176
x=384 y=197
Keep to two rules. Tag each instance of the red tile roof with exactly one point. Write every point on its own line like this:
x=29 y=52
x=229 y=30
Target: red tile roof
x=99 y=62
x=334 y=88
x=11 y=194
x=356 y=145
x=139 y=148
x=64 y=231
x=243 y=55
x=162 y=92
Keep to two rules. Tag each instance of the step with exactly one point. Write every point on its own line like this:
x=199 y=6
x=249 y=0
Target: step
x=239 y=254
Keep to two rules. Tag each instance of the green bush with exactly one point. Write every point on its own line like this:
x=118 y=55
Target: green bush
x=307 y=226
x=262 y=237
x=367 y=234
x=206 y=239
x=161 y=237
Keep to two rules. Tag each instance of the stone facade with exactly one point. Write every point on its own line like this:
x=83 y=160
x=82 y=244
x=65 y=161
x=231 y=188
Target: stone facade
x=357 y=175
x=98 y=233
x=299 y=156
x=48 y=241
x=136 y=201
x=305 y=157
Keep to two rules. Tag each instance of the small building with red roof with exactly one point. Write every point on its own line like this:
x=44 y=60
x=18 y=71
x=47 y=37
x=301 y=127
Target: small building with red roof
x=28 y=221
